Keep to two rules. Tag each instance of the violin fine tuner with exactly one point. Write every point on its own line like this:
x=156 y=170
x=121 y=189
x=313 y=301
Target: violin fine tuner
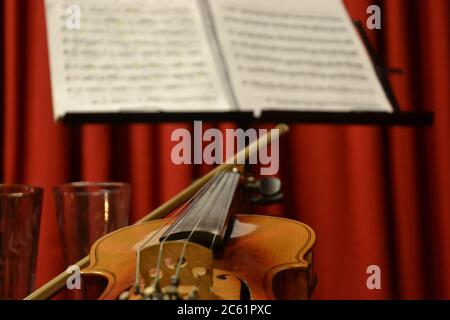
x=161 y=271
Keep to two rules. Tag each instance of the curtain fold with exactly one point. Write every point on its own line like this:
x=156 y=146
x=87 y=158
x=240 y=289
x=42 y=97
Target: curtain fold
x=374 y=196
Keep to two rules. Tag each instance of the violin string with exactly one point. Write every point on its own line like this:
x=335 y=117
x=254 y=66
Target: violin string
x=198 y=196
x=184 y=209
x=138 y=253
x=183 y=250
x=192 y=203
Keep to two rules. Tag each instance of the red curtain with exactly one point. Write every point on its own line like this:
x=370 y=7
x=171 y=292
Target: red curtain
x=374 y=196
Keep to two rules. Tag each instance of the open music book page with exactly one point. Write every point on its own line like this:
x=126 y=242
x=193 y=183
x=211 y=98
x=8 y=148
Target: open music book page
x=133 y=56
x=296 y=55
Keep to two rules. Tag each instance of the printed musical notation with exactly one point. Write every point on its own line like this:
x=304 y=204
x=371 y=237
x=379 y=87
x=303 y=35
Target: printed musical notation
x=148 y=55
x=209 y=55
x=295 y=55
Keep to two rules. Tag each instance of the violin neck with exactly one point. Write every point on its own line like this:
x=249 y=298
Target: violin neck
x=206 y=217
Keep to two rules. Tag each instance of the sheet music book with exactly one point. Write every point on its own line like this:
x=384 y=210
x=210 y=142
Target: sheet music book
x=209 y=56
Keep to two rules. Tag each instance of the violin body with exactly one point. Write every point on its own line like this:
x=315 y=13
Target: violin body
x=264 y=258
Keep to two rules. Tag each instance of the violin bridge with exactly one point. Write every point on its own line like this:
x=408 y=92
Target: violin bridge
x=195 y=274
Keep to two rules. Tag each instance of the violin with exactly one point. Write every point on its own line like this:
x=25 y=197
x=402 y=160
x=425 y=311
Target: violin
x=202 y=251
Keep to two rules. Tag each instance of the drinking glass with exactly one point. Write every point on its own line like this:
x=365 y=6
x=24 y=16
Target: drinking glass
x=86 y=211
x=20 y=214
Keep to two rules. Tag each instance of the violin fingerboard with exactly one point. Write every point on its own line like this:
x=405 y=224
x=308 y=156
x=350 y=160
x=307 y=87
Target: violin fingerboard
x=205 y=219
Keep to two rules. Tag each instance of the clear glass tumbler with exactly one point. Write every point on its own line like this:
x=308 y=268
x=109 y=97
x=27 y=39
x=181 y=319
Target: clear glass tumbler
x=20 y=214
x=88 y=210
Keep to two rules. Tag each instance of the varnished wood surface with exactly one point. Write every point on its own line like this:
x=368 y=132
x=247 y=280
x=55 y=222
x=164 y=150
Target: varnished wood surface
x=261 y=252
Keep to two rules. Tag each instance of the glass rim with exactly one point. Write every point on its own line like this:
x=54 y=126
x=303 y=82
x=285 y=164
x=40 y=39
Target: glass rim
x=71 y=187
x=22 y=189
